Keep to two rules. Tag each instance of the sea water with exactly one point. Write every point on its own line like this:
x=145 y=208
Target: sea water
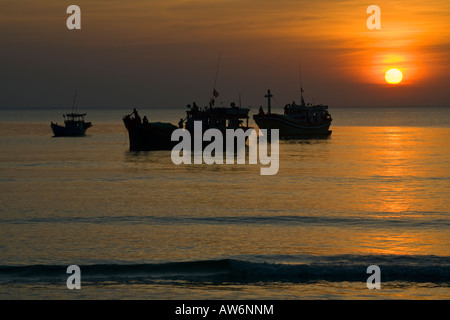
x=376 y=192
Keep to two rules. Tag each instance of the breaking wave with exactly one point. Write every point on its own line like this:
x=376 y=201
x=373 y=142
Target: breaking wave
x=293 y=269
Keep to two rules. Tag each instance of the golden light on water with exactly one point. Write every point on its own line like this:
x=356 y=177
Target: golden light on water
x=393 y=76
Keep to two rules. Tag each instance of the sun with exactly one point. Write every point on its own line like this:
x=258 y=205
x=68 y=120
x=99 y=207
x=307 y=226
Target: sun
x=393 y=76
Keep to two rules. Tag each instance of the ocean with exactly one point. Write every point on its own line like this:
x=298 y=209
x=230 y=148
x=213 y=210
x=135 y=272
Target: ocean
x=376 y=192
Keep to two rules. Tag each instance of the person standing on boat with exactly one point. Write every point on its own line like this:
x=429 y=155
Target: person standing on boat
x=137 y=118
x=261 y=110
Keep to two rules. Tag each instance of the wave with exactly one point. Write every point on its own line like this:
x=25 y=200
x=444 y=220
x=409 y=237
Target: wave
x=243 y=220
x=293 y=269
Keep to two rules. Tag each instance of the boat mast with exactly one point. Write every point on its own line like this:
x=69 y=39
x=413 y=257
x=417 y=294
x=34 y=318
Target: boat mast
x=268 y=96
x=74 y=99
x=215 y=93
x=302 y=101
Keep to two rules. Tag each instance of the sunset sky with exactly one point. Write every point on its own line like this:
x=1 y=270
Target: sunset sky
x=165 y=52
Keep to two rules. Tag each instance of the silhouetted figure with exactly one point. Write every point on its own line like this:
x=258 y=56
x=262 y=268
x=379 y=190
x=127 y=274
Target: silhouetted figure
x=180 y=124
x=137 y=118
x=261 y=111
x=145 y=120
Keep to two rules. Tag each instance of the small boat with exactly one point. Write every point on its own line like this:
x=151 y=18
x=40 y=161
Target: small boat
x=144 y=135
x=303 y=120
x=74 y=124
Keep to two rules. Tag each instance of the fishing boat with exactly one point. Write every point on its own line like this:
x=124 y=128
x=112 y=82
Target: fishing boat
x=298 y=120
x=145 y=135
x=74 y=124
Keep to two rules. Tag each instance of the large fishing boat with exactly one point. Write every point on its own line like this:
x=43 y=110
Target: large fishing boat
x=298 y=120
x=74 y=123
x=145 y=135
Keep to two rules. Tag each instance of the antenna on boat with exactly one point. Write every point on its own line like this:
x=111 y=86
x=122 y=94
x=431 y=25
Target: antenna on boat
x=302 y=101
x=215 y=93
x=268 y=96
x=74 y=99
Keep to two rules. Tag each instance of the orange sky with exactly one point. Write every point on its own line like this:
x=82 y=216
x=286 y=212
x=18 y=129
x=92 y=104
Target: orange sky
x=164 y=52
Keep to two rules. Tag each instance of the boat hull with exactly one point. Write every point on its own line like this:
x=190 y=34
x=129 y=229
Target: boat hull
x=149 y=137
x=159 y=136
x=71 y=131
x=289 y=127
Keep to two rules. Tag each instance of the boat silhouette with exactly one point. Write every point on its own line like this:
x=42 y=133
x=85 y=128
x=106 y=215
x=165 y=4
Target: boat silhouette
x=145 y=135
x=74 y=123
x=303 y=120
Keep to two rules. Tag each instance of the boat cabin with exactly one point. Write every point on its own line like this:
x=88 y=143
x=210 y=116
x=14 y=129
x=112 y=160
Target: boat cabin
x=307 y=112
x=217 y=117
x=75 y=119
